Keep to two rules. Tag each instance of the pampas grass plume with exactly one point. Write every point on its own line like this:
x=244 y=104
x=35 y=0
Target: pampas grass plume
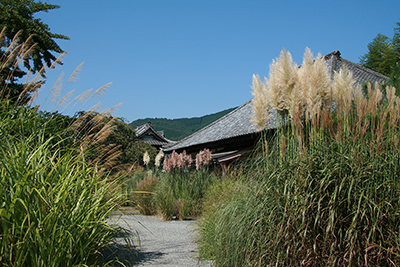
x=158 y=158
x=342 y=89
x=203 y=158
x=282 y=79
x=261 y=104
x=146 y=158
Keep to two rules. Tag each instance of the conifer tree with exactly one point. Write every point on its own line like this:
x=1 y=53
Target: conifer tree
x=383 y=53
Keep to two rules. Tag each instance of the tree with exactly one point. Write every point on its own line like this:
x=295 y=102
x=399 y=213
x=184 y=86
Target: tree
x=16 y=15
x=383 y=53
x=377 y=57
x=132 y=149
x=396 y=40
x=111 y=143
x=20 y=27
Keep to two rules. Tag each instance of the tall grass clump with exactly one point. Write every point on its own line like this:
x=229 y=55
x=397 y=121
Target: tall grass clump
x=326 y=191
x=141 y=191
x=54 y=207
x=181 y=190
x=55 y=203
x=176 y=191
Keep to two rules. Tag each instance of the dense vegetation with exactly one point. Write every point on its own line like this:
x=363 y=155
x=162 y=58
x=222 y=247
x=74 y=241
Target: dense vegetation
x=177 y=129
x=60 y=177
x=174 y=189
x=325 y=190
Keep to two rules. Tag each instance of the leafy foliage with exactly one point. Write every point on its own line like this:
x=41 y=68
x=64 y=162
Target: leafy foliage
x=113 y=144
x=54 y=204
x=16 y=15
x=21 y=30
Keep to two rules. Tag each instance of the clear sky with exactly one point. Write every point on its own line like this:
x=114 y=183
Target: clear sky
x=188 y=58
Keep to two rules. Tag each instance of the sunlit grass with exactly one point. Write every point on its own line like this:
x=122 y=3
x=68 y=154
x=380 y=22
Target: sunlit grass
x=55 y=203
x=325 y=193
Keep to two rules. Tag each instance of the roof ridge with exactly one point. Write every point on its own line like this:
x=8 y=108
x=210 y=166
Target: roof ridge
x=335 y=53
x=149 y=126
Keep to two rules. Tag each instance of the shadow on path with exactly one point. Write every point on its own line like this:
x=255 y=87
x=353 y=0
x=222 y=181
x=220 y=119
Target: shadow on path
x=162 y=243
x=130 y=256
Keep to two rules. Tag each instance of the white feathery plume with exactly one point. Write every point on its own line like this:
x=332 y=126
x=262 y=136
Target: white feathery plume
x=261 y=105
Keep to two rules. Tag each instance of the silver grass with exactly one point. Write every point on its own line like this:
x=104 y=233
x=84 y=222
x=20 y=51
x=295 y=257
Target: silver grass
x=296 y=106
x=80 y=98
x=56 y=86
x=261 y=104
x=101 y=90
x=58 y=61
x=158 y=158
x=146 y=158
x=31 y=87
x=392 y=100
x=320 y=86
x=75 y=73
x=105 y=131
x=14 y=42
x=375 y=98
x=3 y=36
x=95 y=107
x=55 y=90
x=111 y=110
x=342 y=88
x=71 y=78
x=97 y=93
x=65 y=99
x=282 y=79
x=361 y=104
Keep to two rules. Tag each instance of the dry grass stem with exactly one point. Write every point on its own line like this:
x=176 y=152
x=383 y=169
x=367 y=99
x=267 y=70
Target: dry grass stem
x=111 y=110
x=101 y=90
x=75 y=73
x=65 y=99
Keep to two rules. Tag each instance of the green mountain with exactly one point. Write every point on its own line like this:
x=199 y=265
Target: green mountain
x=177 y=129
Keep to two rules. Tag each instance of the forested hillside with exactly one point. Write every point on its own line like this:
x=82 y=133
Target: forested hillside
x=177 y=129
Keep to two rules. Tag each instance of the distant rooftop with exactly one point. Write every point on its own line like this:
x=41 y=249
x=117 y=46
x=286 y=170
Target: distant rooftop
x=149 y=135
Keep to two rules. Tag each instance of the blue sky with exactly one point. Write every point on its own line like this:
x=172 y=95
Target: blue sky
x=188 y=58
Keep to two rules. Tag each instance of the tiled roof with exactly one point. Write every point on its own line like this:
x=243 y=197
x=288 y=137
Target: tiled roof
x=360 y=73
x=141 y=130
x=238 y=122
x=155 y=142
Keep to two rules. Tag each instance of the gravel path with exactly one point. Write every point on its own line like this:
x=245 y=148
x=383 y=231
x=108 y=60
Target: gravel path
x=163 y=243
